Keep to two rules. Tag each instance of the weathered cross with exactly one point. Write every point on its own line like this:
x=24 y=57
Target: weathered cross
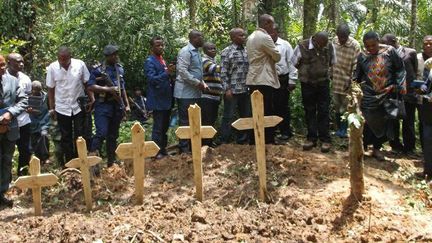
x=138 y=150
x=258 y=122
x=84 y=162
x=35 y=181
x=195 y=132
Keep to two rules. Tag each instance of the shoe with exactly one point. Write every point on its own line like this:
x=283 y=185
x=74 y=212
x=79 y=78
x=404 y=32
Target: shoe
x=159 y=156
x=377 y=154
x=5 y=201
x=325 y=147
x=308 y=145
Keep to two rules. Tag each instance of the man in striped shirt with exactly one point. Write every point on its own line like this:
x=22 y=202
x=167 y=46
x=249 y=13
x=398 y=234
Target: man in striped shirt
x=347 y=50
x=210 y=98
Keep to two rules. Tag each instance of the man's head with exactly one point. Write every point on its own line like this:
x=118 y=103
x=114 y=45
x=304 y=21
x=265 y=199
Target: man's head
x=320 y=39
x=343 y=32
x=137 y=92
x=36 y=88
x=275 y=33
x=15 y=63
x=427 y=45
x=111 y=54
x=2 y=65
x=238 y=36
x=209 y=49
x=196 y=38
x=390 y=39
x=157 y=45
x=371 y=42
x=266 y=21
x=64 y=56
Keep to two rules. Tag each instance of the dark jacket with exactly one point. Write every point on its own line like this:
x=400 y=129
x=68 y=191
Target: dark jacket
x=159 y=89
x=409 y=56
x=314 y=65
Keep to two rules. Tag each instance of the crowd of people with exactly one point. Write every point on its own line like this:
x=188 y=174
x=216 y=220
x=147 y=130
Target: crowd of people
x=392 y=78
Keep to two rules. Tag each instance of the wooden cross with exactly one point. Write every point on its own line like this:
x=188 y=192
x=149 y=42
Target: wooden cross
x=84 y=162
x=35 y=181
x=196 y=132
x=258 y=122
x=138 y=150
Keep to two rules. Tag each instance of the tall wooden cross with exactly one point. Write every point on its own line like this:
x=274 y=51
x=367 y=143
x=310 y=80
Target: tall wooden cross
x=195 y=132
x=35 y=181
x=84 y=162
x=138 y=150
x=258 y=122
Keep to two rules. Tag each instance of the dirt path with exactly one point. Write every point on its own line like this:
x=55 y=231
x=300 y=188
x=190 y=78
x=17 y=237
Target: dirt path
x=308 y=193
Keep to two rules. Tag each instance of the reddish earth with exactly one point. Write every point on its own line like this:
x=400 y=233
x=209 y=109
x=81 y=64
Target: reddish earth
x=308 y=194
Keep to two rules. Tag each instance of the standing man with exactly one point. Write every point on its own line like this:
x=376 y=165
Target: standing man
x=15 y=63
x=189 y=83
x=108 y=85
x=234 y=68
x=262 y=75
x=347 y=50
x=314 y=58
x=159 y=93
x=287 y=75
x=210 y=99
x=409 y=57
x=382 y=74
x=14 y=102
x=65 y=80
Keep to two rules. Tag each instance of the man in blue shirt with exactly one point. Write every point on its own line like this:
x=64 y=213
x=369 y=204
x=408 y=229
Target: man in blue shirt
x=106 y=81
x=189 y=82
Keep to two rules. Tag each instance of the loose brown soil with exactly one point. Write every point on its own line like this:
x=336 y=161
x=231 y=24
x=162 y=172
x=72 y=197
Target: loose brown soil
x=308 y=201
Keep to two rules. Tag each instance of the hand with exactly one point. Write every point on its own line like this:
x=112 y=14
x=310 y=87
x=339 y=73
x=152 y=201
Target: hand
x=291 y=87
x=387 y=89
x=202 y=86
x=171 y=68
x=89 y=105
x=112 y=89
x=6 y=118
x=127 y=109
x=229 y=94
x=52 y=114
x=29 y=110
x=424 y=88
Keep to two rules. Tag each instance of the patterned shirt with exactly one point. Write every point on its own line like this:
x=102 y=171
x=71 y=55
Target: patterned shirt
x=212 y=78
x=235 y=66
x=344 y=69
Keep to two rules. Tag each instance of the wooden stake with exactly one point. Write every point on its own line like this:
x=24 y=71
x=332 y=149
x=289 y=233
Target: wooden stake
x=138 y=150
x=84 y=162
x=35 y=181
x=258 y=122
x=196 y=133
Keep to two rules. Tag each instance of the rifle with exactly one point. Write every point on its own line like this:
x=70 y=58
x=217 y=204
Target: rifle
x=118 y=95
x=142 y=111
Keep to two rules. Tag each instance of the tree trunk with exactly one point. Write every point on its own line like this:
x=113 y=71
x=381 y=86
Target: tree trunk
x=310 y=16
x=413 y=28
x=248 y=11
x=333 y=14
x=235 y=13
x=192 y=13
x=374 y=9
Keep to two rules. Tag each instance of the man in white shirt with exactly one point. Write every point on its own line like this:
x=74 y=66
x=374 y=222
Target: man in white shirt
x=65 y=80
x=287 y=75
x=15 y=67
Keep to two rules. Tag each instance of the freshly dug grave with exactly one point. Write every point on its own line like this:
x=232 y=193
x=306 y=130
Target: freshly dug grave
x=308 y=201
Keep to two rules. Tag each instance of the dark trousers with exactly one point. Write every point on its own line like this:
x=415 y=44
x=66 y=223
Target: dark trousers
x=71 y=128
x=40 y=146
x=107 y=122
x=183 y=106
x=316 y=103
x=7 y=149
x=88 y=128
x=209 y=114
x=23 y=144
x=281 y=106
x=161 y=121
x=427 y=148
x=241 y=104
x=408 y=130
x=267 y=92
x=369 y=138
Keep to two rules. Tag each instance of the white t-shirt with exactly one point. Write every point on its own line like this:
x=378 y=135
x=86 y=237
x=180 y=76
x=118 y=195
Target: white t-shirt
x=25 y=84
x=68 y=84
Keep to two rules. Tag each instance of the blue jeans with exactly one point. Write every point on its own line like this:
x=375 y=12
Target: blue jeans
x=242 y=104
x=161 y=121
x=7 y=149
x=183 y=106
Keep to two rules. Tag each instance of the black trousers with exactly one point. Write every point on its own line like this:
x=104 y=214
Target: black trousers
x=71 y=127
x=40 y=146
x=316 y=103
x=408 y=130
x=7 y=149
x=161 y=120
x=183 y=106
x=427 y=148
x=209 y=115
x=281 y=106
x=369 y=138
x=23 y=144
x=268 y=93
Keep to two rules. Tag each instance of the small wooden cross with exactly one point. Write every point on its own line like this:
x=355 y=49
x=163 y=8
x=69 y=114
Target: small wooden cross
x=258 y=122
x=196 y=132
x=84 y=162
x=138 y=150
x=35 y=181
